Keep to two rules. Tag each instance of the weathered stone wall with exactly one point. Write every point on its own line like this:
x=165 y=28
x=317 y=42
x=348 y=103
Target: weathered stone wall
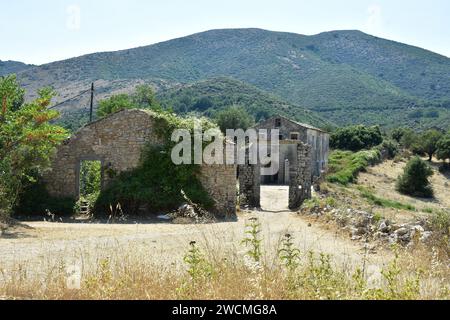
x=250 y=186
x=220 y=182
x=117 y=142
x=300 y=180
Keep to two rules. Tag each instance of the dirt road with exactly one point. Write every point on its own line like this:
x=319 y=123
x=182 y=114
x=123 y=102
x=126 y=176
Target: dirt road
x=45 y=245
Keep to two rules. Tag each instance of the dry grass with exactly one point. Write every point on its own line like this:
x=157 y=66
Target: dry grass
x=206 y=273
x=380 y=179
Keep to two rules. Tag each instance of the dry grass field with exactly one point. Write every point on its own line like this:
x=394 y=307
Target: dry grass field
x=161 y=261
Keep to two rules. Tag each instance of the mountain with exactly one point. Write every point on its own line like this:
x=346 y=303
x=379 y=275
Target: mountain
x=345 y=76
x=8 y=67
x=210 y=96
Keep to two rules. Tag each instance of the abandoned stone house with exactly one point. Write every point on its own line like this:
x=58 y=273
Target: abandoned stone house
x=290 y=133
x=116 y=142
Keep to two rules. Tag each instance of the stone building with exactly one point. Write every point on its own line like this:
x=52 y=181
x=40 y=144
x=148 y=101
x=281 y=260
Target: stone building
x=117 y=141
x=290 y=133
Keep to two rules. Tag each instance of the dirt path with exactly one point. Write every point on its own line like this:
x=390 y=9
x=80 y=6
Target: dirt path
x=49 y=244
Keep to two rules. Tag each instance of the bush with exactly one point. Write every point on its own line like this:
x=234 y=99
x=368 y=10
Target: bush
x=234 y=118
x=390 y=147
x=356 y=138
x=443 y=148
x=414 y=180
x=157 y=184
x=35 y=201
x=344 y=166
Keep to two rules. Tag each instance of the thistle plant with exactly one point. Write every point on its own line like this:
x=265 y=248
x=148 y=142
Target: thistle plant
x=289 y=254
x=252 y=240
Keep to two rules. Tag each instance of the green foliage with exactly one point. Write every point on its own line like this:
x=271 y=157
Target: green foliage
x=27 y=139
x=414 y=180
x=289 y=254
x=90 y=177
x=356 y=138
x=36 y=201
x=198 y=266
x=252 y=239
x=156 y=183
x=11 y=94
x=346 y=76
x=443 y=147
x=234 y=117
x=391 y=148
x=344 y=166
x=142 y=98
x=210 y=97
x=428 y=143
x=440 y=222
x=386 y=203
x=408 y=138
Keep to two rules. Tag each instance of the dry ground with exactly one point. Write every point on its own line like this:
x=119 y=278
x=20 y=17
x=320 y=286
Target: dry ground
x=381 y=180
x=38 y=246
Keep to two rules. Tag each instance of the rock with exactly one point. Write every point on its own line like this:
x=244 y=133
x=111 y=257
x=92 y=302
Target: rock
x=359 y=231
x=401 y=231
x=384 y=227
x=425 y=236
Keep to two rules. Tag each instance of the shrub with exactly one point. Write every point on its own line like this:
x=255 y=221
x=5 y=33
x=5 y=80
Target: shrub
x=234 y=118
x=344 y=166
x=428 y=143
x=35 y=201
x=414 y=180
x=157 y=184
x=390 y=147
x=443 y=148
x=356 y=138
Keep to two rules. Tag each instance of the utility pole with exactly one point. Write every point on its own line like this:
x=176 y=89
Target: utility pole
x=92 y=103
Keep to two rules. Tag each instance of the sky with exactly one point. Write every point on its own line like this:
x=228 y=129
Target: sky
x=43 y=31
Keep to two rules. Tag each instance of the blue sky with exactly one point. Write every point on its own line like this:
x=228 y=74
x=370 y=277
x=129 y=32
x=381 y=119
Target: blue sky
x=49 y=30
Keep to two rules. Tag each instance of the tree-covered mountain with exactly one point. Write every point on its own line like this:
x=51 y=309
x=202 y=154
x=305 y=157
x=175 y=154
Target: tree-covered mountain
x=211 y=96
x=345 y=76
x=8 y=67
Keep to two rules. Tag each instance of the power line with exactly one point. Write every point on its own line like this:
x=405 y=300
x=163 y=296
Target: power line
x=74 y=97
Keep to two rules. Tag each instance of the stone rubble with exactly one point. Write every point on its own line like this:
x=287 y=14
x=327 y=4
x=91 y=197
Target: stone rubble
x=363 y=225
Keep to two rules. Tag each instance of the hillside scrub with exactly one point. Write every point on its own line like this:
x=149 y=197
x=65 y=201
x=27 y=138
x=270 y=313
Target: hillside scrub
x=414 y=181
x=344 y=166
x=443 y=149
x=143 y=98
x=234 y=118
x=356 y=138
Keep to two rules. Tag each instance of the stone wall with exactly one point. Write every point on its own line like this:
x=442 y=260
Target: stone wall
x=300 y=179
x=250 y=186
x=220 y=182
x=117 y=142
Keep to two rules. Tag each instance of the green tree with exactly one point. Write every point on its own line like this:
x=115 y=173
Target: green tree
x=142 y=98
x=443 y=148
x=115 y=103
x=414 y=180
x=27 y=139
x=356 y=138
x=428 y=141
x=408 y=138
x=234 y=117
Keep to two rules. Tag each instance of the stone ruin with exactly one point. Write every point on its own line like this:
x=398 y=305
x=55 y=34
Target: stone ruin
x=117 y=141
